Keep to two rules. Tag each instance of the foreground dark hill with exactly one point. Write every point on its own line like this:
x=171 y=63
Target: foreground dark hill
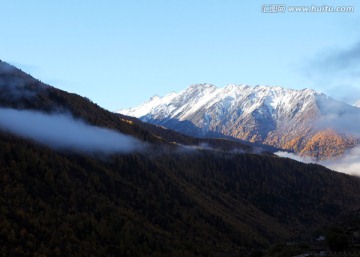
x=59 y=204
x=166 y=201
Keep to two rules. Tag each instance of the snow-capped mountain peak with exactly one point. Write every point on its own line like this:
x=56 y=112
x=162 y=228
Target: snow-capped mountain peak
x=267 y=114
x=204 y=96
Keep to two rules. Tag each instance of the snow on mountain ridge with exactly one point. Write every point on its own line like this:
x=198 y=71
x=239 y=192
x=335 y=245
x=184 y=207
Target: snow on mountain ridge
x=150 y=105
x=183 y=104
x=304 y=121
x=240 y=108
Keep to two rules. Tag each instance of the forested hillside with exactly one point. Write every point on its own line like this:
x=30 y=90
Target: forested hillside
x=63 y=204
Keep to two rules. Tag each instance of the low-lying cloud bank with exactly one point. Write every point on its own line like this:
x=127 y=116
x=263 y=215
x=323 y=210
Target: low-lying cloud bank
x=304 y=159
x=61 y=131
x=349 y=163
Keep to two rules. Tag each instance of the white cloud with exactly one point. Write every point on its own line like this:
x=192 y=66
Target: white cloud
x=349 y=163
x=61 y=131
x=304 y=159
x=336 y=72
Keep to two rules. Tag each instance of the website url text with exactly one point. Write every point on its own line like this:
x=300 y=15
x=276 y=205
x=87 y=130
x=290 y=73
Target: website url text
x=282 y=8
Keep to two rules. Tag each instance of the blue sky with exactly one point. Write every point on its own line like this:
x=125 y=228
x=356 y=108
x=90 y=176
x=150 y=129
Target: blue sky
x=120 y=53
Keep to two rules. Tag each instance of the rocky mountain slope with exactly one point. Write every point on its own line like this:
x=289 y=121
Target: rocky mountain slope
x=304 y=121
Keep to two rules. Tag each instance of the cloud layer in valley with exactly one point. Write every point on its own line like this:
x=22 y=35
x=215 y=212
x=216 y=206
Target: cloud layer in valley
x=304 y=159
x=61 y=131
x=349 y=163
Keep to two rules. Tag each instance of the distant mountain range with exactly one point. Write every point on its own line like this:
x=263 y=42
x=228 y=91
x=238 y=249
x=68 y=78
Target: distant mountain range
x=303 y=121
